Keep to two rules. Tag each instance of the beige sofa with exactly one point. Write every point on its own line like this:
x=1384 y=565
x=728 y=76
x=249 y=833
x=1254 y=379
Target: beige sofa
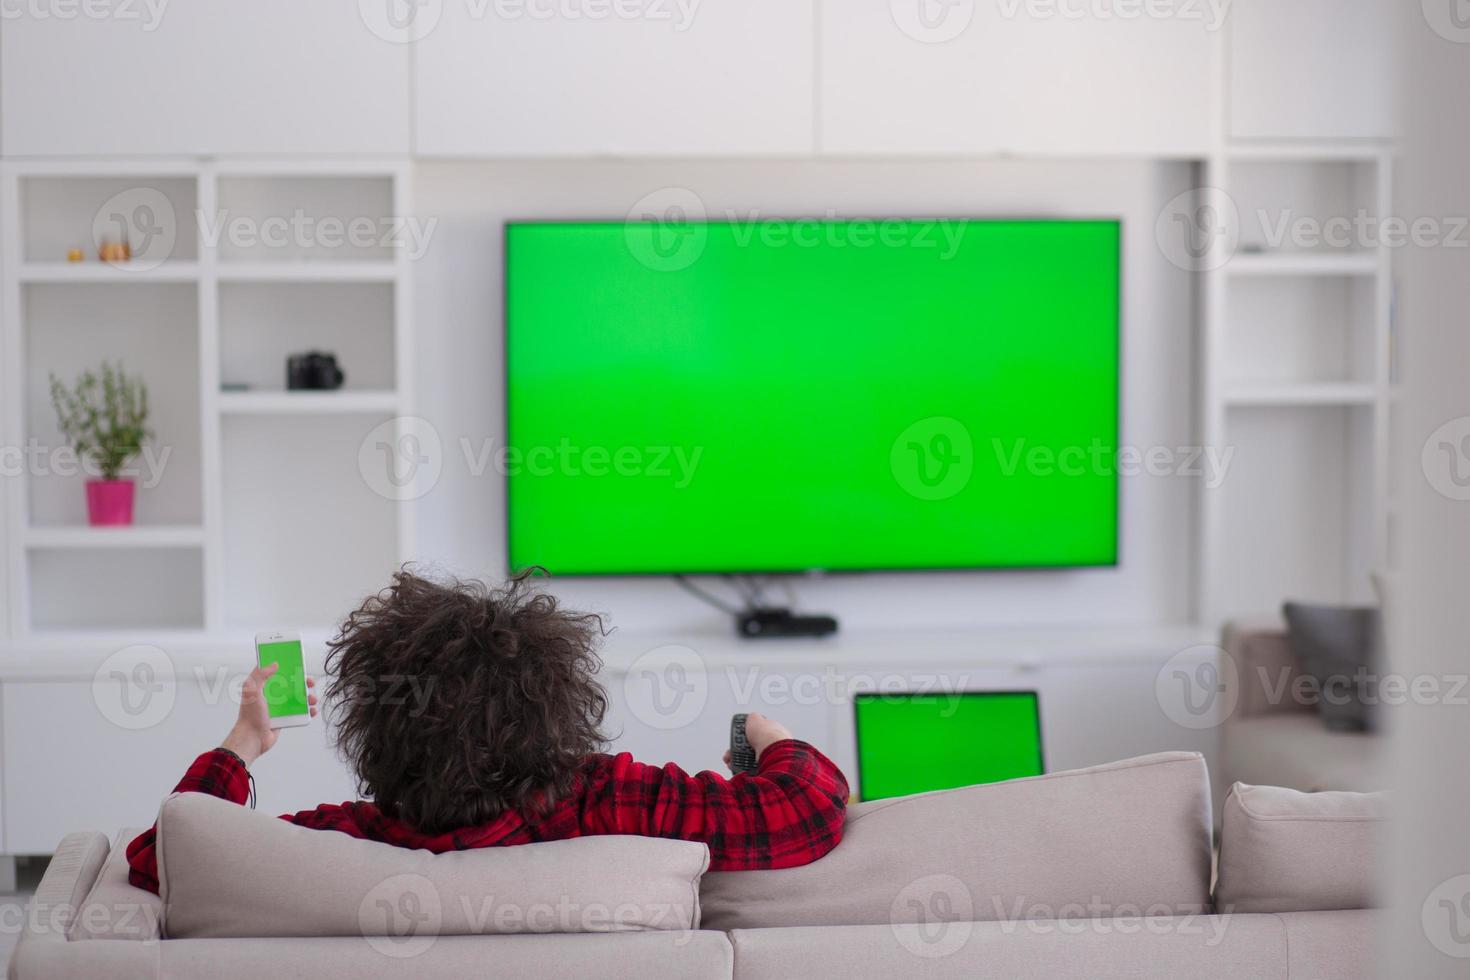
x=1271 y=739
x=1098 y=872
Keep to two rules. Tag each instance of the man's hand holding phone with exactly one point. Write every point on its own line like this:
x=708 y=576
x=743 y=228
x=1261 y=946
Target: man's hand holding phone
x=253 y=734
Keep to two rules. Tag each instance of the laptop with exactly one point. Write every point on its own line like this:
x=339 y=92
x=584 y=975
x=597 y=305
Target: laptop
x=913 y=743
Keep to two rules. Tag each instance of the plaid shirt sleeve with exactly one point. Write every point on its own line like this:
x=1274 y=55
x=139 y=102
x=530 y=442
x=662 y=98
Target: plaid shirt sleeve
x=789 y=812
x=217 y=773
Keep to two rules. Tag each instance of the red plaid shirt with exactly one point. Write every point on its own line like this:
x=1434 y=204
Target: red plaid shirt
x=789 y=812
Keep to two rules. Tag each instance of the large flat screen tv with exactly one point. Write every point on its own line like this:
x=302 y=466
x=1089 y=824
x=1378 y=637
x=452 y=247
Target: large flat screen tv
x=729 y=397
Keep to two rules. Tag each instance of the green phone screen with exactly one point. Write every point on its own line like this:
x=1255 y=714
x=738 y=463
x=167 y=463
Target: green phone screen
x=285 y=692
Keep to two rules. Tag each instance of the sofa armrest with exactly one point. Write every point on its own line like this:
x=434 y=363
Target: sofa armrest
x=1286 y=851
x=44 y=947
x=1265 y=669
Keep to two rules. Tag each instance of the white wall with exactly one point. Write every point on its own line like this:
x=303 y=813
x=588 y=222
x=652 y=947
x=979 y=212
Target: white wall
x=458 y=323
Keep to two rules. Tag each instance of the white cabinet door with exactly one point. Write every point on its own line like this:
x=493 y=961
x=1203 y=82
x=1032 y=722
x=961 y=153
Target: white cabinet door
x=76 y=758
x=195 y=77
x=1313 y=69
x=1016 y=76
x=628 y=77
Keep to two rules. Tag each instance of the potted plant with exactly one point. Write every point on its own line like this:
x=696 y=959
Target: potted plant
x=105 y=417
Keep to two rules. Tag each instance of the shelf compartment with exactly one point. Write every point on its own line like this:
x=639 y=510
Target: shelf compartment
x=305 y=537
x=60 y=213
x=1298 y=497
x=1313 y=330
x=289 y=219
x=114 y=588
x=262 y=323
x=152 y=329
x=1296 y=207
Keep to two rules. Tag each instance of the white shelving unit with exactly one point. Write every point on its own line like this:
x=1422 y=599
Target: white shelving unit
x=1296 y=377
x=295 y=533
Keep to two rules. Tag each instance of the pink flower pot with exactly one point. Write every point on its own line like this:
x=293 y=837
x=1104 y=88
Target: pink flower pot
x=109 y=502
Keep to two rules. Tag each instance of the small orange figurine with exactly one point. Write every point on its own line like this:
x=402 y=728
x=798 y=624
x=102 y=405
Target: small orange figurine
x=74 y=255
x=114 y=252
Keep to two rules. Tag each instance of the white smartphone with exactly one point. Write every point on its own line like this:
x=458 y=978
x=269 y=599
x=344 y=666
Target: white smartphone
x=285 y=692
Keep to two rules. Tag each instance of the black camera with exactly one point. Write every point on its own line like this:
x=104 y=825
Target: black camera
x=313 y=371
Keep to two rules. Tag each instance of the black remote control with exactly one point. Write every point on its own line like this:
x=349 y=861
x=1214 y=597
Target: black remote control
x=742 y=756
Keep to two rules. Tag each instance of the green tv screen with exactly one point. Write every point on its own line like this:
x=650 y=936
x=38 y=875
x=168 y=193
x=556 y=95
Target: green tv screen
x=914 y=743
x=728 y=397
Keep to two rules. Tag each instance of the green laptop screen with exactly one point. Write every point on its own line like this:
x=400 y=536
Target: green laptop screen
x=920 y=742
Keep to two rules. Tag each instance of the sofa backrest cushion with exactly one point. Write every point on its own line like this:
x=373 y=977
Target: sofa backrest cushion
x=228 y=872
x=1127 y=838
x=1286 y=851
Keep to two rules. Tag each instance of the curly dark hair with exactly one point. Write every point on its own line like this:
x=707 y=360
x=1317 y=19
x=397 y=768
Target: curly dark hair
x=496 y=708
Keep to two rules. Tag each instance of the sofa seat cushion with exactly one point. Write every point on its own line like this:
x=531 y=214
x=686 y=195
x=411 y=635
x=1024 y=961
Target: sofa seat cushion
x=1286 y=851
x=1294 y=749
x=226 y=871
x=1130 y=837
x=1199 y=947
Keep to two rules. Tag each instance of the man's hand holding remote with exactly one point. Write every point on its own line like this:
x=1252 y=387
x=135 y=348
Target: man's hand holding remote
x=761 y=732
